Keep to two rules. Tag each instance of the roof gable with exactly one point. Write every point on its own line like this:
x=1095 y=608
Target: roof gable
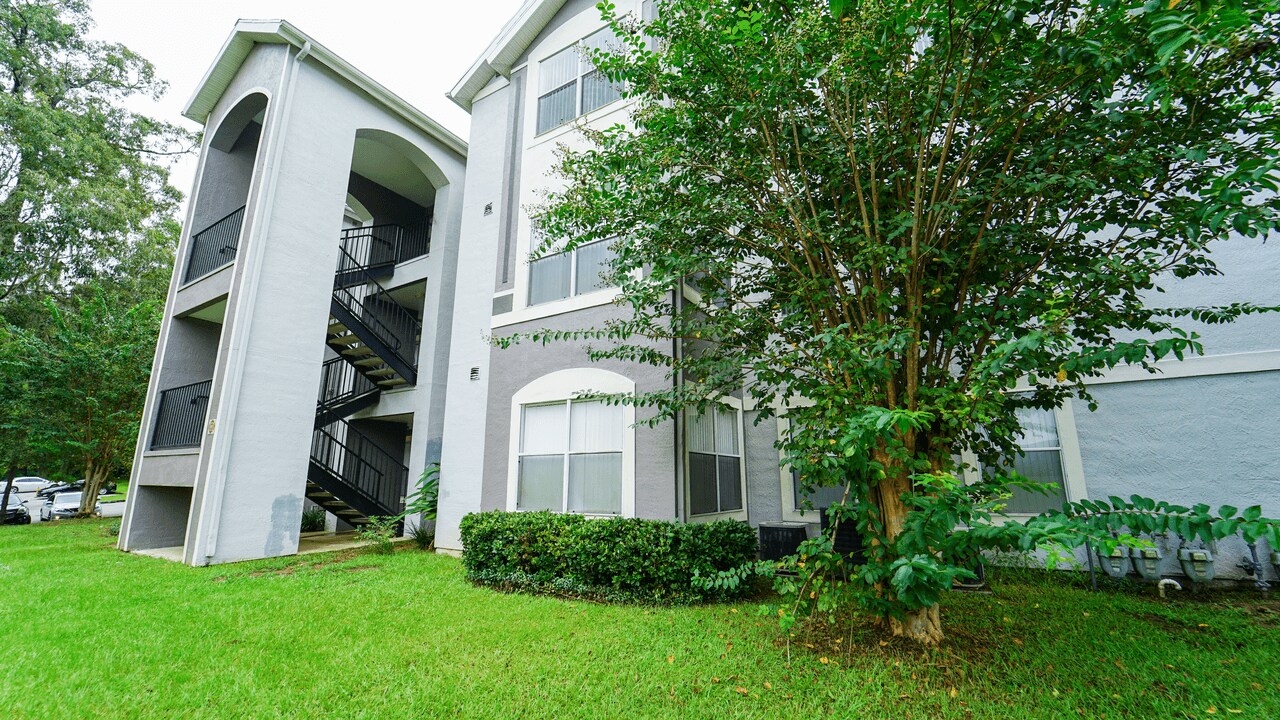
x=247 y=33
x=505 y=50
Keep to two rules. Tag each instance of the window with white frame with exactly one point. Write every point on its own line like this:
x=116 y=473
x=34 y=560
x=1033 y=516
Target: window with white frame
x=570 y=457
x=713 y=451
x=570 y=86
x=569 y=273
x=1042 y=462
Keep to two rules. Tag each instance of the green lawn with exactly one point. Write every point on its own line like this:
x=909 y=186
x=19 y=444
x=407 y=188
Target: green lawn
x=92 y=632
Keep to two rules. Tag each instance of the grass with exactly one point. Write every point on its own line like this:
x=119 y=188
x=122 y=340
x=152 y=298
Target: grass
x=122 y=490
x=92 y=632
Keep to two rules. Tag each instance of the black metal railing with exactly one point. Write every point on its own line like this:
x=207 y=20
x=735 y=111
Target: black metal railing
x=361 y=464
x=214 y=246
x=415 y=241
x=372 y=247
x=180 y=416
x=341 y=382
x=378 y=246
x=392 y=323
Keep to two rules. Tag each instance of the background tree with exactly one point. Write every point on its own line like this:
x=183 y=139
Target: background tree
x=897 y=212
x=75 y=384
x=79 y=174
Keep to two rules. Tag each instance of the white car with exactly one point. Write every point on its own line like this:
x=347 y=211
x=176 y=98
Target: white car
x=63 y=505
x=29 y=484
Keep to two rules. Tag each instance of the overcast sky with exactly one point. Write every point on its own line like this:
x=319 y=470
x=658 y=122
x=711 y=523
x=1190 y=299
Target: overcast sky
x=418 y=50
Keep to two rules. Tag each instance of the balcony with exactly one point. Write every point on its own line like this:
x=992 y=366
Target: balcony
x=215 y=246
x=180 y=416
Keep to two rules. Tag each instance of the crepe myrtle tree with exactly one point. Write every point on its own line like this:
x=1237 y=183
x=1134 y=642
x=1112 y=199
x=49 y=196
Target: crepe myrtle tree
x=893 y=214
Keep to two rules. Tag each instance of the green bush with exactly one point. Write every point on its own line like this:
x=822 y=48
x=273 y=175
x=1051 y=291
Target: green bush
x=313 y=519
x=616 y=559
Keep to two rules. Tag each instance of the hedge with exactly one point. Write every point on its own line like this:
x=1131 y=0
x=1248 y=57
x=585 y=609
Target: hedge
x=614 y=559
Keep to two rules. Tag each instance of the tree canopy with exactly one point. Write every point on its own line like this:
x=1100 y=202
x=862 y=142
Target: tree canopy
x=80 y=174
x=891 y=215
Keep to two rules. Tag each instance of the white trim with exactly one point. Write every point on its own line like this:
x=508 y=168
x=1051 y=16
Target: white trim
x=497 y=59
x=604 y=296
x=1198 y=366
x=736 y=404
x=562 y=386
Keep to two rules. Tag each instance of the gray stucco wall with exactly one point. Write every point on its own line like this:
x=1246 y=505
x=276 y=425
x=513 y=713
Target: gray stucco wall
x=225 y=179
x=1186 y=440
x=191 y=352
x=160 y=516
x=513 y=368
x=462 y=454
x=764 y=488
x=385 y=205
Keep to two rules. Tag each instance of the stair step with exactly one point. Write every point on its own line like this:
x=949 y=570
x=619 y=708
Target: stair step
x=393 y=382
x=381 y=372
x=358 y=351
x=336 y=328
x=349 y=512
x=344 y=340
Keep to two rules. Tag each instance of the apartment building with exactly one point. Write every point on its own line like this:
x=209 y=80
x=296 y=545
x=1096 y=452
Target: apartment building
x=331 y=354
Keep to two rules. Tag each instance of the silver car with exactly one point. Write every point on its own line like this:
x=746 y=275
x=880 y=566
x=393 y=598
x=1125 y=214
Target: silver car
x=63 y=505
x=27 y=484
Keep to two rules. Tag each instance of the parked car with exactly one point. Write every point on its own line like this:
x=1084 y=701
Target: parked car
x=15 y=513
x=28 y=484
x=62 y=505
x=107 y=488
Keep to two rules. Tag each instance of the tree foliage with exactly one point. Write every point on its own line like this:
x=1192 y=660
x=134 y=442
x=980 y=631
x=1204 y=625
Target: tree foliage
x=879 y=218
x=79 y=173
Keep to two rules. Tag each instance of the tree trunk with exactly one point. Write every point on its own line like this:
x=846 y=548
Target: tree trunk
x=925 y=625
x=94 y=477
x=8 y=490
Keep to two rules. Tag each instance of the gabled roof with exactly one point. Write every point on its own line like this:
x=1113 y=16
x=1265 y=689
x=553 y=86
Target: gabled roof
x=247 y=33
x=498 y=59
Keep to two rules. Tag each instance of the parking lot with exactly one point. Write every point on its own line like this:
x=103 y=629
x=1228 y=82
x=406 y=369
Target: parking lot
x=112 y=509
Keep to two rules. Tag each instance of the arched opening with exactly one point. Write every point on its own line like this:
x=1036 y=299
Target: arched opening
x=218 y=213
x=392 y=190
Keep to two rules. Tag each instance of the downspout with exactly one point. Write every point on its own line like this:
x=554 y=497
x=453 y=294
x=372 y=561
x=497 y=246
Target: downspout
x=238 y=347
x=677 y=305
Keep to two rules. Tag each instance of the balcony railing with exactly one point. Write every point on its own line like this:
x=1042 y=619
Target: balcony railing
x=180 y=416
x=387 y=245
x=214 y=246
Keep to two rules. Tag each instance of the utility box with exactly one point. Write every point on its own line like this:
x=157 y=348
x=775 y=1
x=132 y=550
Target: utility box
x=780 y=539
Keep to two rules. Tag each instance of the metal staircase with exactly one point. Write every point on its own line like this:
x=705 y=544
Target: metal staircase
x=376 y=339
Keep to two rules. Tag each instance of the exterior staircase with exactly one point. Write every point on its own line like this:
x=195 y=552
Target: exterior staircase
x=376 y=341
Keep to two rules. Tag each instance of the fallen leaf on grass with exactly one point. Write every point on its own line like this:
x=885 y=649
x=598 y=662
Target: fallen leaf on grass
x=741 y=690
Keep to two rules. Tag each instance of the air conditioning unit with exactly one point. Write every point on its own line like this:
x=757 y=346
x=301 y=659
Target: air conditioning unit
x=848 y=541
x=780 y=539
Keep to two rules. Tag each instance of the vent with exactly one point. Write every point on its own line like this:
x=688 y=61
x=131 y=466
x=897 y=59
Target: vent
x=475 y=373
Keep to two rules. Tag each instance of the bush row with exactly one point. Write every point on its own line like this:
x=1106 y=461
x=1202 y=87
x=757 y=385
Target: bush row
x=612 y=559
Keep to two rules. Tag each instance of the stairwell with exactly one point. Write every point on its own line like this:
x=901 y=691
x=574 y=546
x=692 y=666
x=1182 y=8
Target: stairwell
x=375 y=339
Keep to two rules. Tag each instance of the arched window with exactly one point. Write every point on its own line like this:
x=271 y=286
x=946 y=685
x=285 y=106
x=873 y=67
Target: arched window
x=569 y=453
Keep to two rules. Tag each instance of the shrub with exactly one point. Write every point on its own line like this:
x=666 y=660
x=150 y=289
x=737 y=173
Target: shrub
x=378 y=534
x=615 y=559
x=313 y=519
x=423 y=534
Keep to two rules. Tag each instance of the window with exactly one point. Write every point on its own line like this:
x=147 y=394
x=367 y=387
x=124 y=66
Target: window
x=1042 y=463
x=565 y=274
x=570 y=457
x=820 y=498
x=570 y=86
x=714 y=461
